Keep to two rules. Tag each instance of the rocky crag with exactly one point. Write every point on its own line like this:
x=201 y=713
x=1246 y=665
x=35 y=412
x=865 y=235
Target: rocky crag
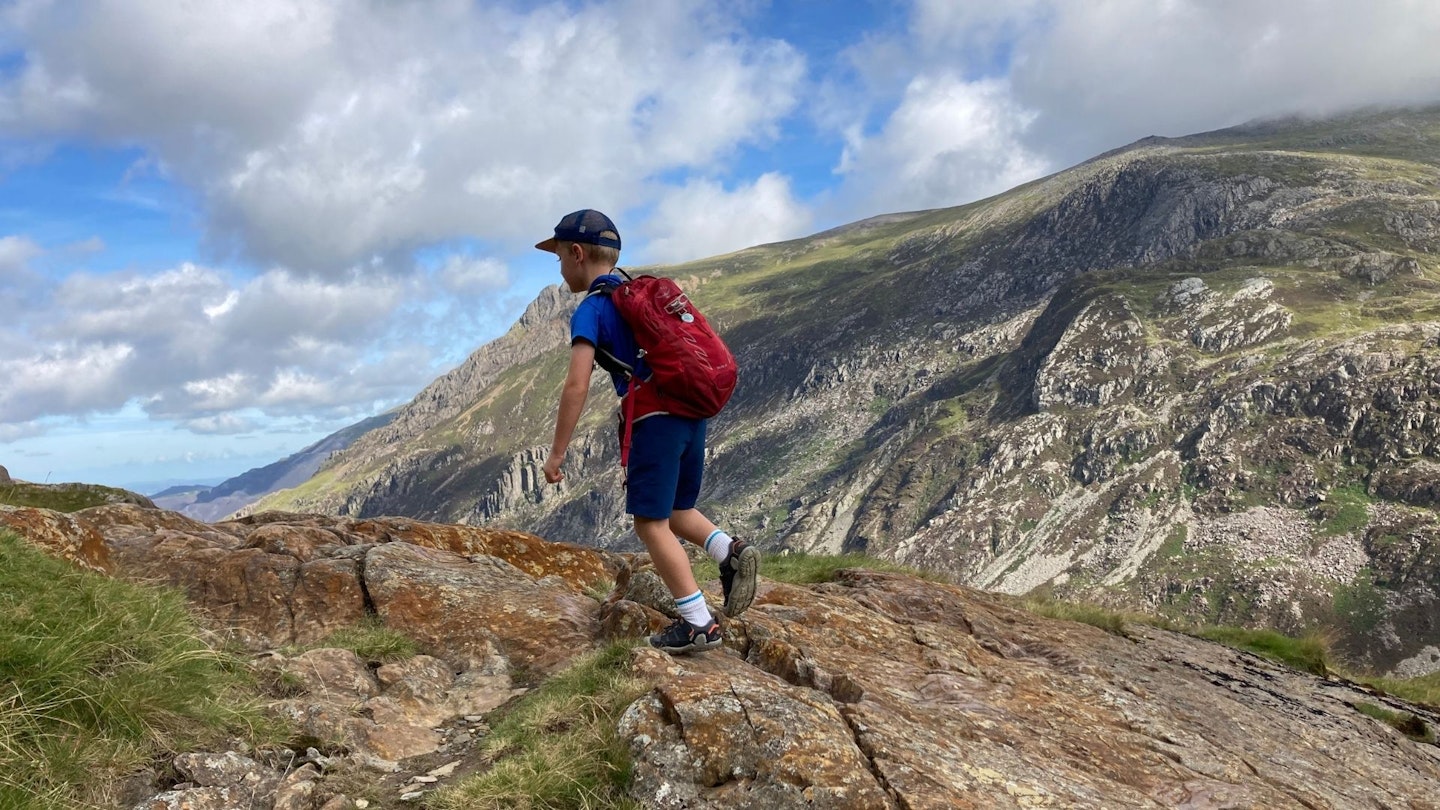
x=873 y=690
x=1196 y=376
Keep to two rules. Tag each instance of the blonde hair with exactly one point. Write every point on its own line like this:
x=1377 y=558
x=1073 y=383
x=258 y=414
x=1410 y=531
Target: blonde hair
x=601 y=254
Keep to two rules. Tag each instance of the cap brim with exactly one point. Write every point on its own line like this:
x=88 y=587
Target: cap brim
x=548 y=245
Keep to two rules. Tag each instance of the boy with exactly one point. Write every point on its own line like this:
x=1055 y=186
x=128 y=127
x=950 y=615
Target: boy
x=667 y=453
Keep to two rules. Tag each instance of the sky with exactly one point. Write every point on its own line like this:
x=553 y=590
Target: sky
x=230 y=229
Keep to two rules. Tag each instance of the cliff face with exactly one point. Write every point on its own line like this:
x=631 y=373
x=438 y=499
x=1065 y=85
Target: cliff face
x=1196 y=376
x=869 y=690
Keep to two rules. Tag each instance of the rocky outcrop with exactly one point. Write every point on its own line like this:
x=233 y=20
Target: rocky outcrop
x=1216 y=325
x=271 y=580
x=880 y=690
x=871 y=690
x=1096 y=360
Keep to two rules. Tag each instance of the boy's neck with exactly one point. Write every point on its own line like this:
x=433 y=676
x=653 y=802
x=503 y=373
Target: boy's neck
x=593 y=272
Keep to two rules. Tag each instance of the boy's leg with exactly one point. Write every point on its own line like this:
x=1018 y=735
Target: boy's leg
x=739 y=561
x=654 y=468
x=696 y=629
x=691 y=525
x=669 y=556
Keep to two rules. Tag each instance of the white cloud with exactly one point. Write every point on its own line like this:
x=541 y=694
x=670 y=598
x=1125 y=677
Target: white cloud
x=949 y=141
x=64 y=377
x=972 y=99
x=194 y=345
x=323 y=133
x=15 y=255
x=221 y=425
x=85 y=247
x=1093 y=76
x=703 y=219
x=467 y=275
x=1107 y=73
x=13 y=432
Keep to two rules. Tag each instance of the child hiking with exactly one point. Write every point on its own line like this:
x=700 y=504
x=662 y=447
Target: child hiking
x=666 y=452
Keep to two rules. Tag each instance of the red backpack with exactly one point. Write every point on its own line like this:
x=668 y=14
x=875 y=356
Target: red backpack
x=692 y=372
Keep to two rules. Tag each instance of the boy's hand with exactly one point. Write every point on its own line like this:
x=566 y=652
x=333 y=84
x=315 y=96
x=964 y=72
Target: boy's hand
x=552 y=469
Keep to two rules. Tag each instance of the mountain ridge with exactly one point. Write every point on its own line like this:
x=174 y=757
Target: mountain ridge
x=1096 y=382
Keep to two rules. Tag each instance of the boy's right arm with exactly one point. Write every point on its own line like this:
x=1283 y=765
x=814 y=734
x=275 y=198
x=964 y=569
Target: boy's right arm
x=572 y=404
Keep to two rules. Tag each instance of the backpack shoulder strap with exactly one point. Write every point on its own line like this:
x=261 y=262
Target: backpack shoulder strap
x=605 y=359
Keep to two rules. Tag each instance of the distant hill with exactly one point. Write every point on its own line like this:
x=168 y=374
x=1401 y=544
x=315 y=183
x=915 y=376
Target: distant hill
x=217 y=502
x=1194 y=376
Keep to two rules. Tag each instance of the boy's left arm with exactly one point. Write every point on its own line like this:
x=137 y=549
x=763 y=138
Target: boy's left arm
x=572 y=404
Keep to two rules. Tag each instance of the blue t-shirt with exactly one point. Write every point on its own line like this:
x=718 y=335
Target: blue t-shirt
x=597 y=322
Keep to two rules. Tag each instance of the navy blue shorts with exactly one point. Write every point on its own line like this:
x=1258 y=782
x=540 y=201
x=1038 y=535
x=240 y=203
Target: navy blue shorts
x=667 y=459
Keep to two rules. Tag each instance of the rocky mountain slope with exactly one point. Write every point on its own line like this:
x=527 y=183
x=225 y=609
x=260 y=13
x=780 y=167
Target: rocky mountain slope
x=233 y=494
x=1196 y=376
x=870 y=690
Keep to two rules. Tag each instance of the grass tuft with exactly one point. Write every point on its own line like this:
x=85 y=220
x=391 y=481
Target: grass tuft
x=1403 y=722
x=1424 y=690
x=1108 y=620
x=372 y=641
x=808 y=569
x=1309 y=653
x=98 y=676
x=558 y=748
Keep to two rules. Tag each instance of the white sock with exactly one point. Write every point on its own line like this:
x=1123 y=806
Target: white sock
x=694 y=610
x=717 y=545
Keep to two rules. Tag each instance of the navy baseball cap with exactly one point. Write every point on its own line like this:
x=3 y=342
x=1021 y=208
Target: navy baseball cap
x=588 y=226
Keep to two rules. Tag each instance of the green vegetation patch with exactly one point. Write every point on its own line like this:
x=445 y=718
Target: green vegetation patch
x=98 y=677
x=1403 y=722
x=1345 y=510
x=1174 y=546
x=1360 y=606
x=808 y=569
x=1307 y=654
x=558 y=748
x=1424 y=690
x=371 y=640
x=1113 y=622
x=61 y=497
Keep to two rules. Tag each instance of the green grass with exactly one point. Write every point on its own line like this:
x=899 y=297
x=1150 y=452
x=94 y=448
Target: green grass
x=99 y=677
x=1403 y=722
x=558 y=747
x=1345 y=510
x=371 y=640
x=798 y=568
x=1108 y=620
x=1424 y=689
x=59 y=497
x=1307 y=654
x=1360 y=605
x=808 y=569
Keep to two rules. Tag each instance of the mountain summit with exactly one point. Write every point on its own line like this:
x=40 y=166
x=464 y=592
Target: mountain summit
x=1196 y=376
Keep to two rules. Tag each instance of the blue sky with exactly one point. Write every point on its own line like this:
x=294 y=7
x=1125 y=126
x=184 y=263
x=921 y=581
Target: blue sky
x=230 y=229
